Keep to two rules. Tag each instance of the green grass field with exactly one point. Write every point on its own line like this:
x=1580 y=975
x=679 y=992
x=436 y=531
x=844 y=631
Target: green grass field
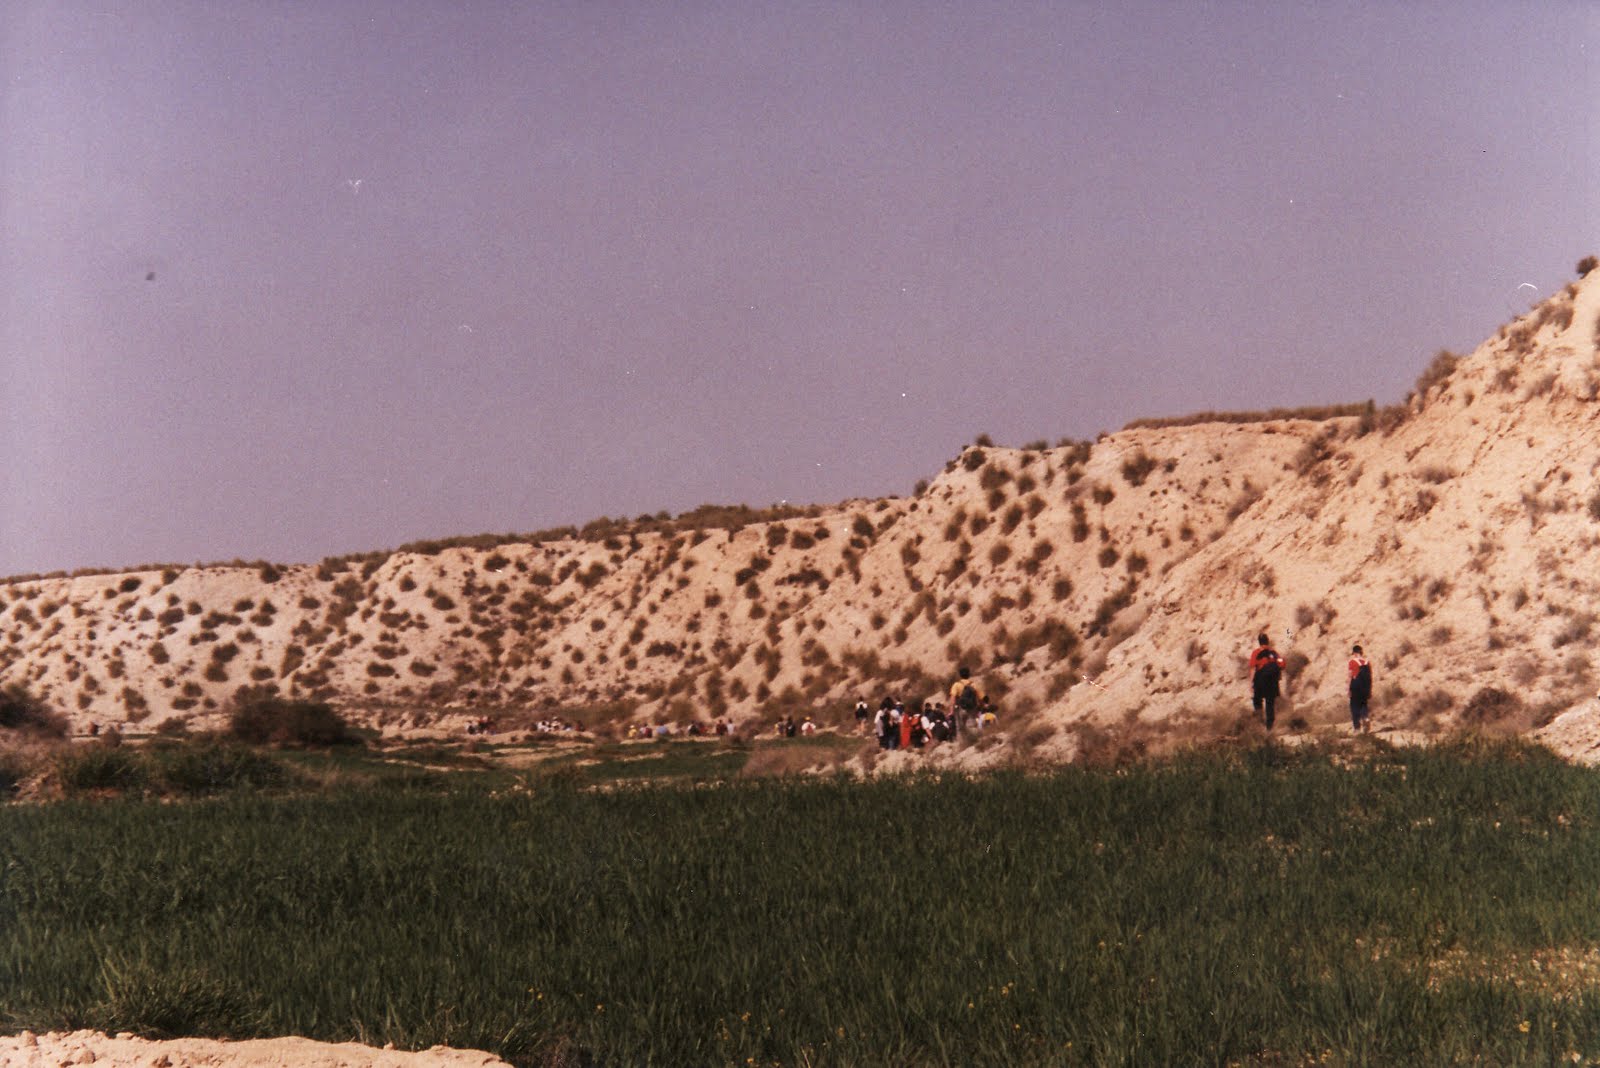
x=1261 y=906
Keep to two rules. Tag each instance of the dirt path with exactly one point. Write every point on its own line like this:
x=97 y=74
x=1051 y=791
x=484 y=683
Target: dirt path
x=28 y=1050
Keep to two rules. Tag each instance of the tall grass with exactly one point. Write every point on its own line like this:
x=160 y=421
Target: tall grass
x=1261 y=908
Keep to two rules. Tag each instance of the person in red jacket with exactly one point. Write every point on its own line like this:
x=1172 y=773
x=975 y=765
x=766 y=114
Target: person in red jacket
x=908 y=725
x=1266 y=668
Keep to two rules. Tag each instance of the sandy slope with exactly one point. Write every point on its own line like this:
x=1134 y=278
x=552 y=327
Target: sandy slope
x=1114 y=584
x=29 y=1050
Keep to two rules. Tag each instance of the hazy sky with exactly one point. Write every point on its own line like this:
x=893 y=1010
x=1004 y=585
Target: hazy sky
x=284 y=280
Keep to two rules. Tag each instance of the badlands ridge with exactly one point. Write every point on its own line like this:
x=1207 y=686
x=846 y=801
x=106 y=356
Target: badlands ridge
x=1100 y=590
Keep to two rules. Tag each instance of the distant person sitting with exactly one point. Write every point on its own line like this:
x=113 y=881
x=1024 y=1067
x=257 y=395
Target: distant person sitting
x=986 y=714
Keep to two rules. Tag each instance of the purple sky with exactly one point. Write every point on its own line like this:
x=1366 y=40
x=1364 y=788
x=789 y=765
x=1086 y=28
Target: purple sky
x=449 y=268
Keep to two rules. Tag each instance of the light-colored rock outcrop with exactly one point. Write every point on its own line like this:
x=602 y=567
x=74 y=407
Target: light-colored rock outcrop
x=1115 y=583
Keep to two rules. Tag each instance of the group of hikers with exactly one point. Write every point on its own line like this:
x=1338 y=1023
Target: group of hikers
x=1266 y=672
x=898 y=727
x=970 y=710
x=644 y=731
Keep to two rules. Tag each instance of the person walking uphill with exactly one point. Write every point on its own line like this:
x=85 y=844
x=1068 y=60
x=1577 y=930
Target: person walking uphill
x=1360 y=690
x=965 y=697
x=1266 y=668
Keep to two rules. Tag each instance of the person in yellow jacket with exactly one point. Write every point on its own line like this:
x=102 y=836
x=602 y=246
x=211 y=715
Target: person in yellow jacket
x=965 y=697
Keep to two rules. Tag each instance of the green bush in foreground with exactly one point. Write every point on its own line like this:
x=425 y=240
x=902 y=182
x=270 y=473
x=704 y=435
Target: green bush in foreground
x=99 y=767
x=176 y=770
x=1265 y=907
x=212 y=768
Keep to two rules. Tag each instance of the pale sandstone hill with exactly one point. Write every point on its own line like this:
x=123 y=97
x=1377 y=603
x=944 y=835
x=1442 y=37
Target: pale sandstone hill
x=1458 y=549
x=1455 y=545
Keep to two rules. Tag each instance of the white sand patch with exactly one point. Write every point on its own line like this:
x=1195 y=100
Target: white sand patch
x=28 y=1050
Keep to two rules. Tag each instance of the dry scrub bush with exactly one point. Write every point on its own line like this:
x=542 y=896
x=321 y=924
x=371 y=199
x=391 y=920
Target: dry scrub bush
x=1435 y=474
x=1080 y=522
x=1109 y=748
x=994 y=476
x=1542 y=386
x=1439 y=369
x=21 y=710
x=1320 y=413
x=265 y=719
x=1248 y=496
x=1489 y=707
x=1137 y=468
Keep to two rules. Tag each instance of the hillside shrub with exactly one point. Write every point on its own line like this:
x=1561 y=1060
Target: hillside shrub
x=1317 y=413
x=265 y=719
x=1080 y=522
x=1439 y=369
x=1489 y=706
x=1137 y=468
x=21 y=710
x=994 y=476
x=1248 y=496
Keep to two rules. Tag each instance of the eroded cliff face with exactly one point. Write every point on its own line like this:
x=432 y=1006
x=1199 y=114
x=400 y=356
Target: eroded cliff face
x=1114 y=583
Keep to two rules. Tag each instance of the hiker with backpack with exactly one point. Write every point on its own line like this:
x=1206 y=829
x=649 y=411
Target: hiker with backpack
x=884 y=725
x=1360 y=691
x=1266 y=669
x=964 y=700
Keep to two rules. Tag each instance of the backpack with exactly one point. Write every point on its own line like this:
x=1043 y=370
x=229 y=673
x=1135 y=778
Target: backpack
x=1270 y=668
x=1362 y=683
x=968 y=697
